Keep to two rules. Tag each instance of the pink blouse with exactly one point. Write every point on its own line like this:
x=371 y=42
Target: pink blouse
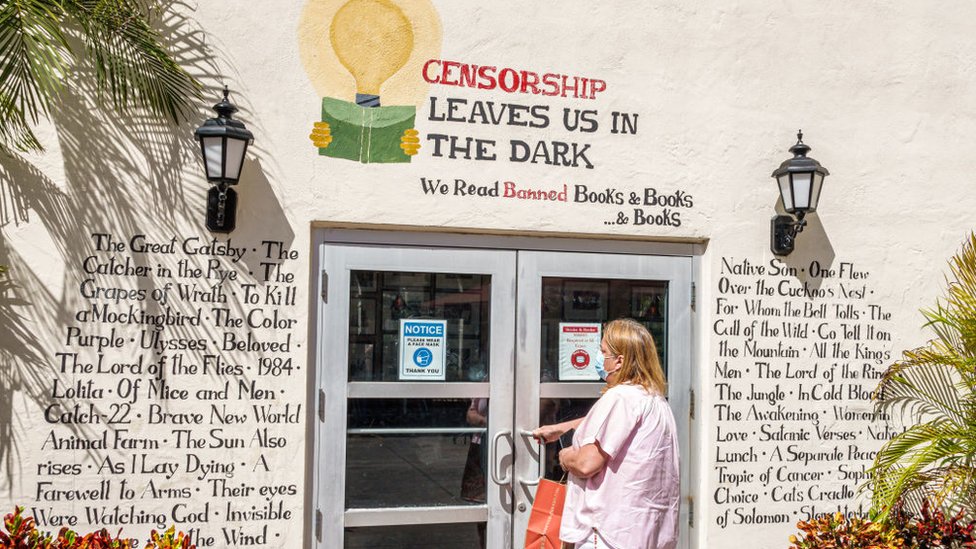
x=633 y=501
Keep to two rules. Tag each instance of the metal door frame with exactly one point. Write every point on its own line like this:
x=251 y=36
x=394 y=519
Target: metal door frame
x=317 y=513
x=532 y=267
x=333 y=388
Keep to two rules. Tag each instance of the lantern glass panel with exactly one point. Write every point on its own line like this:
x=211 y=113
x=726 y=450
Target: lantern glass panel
x=235 y=158
x=785 y=191
x=213 y=153
x=801 y=190
x=815 y=196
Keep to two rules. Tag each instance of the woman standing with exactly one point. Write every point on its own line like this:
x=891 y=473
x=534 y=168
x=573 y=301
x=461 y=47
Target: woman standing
x=623 y=487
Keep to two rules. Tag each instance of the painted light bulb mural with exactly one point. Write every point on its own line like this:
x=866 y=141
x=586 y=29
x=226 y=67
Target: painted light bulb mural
x=372 y=40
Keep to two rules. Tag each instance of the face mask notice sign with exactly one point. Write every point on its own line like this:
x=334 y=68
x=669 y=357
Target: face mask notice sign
x=579 y=344
x=423 y=349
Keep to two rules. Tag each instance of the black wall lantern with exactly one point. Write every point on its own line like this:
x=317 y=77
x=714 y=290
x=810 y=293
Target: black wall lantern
x=223 y=142
x=799 y=179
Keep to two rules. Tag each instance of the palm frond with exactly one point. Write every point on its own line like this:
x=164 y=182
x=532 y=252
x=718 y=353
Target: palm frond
x=934 y=387
x=921 y=386
x=132 y=67
x=916 y=468
x=32 y=66
x=17 y=135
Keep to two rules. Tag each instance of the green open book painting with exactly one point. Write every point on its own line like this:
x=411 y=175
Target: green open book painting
x=366 y=134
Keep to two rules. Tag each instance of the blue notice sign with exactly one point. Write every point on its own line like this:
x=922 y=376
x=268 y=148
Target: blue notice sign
x=423 y=349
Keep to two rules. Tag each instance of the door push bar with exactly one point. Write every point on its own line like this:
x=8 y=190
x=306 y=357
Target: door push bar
x=493 y=459
x=540 y=454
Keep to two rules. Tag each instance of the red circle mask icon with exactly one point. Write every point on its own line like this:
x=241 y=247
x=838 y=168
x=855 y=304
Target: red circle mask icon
x=580 y=359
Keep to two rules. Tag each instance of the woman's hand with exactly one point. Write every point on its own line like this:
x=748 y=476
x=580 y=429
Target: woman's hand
x=551 y=433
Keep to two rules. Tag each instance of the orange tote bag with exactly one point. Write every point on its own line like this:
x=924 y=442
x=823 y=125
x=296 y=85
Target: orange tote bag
x=546 y=514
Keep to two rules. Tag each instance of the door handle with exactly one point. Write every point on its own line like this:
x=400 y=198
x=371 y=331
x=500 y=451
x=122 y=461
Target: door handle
x=493 y=459
x=541 y=452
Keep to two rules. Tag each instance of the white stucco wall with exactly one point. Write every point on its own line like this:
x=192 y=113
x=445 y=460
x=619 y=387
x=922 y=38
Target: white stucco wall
x=882 y=93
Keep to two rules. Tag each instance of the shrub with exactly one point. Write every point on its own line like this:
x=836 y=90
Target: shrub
x=68 y=539
x=836 y=532
x=169 y=540
x=22 y=533
x=934 y=529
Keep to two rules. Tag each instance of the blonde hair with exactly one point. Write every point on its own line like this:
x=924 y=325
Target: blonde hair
x=631 y=340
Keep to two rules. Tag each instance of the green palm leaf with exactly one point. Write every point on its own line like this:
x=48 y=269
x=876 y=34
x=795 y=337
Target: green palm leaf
x=934 y=388
x=32 y=65
x=131 y=66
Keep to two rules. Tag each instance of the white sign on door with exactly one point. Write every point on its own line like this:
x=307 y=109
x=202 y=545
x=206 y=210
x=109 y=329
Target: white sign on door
x=423 y=349
x=579 y=343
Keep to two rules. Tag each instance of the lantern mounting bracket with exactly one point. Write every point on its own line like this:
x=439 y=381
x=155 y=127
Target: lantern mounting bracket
x=785 y=228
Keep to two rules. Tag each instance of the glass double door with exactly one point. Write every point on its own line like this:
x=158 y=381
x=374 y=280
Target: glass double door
x=435 y=364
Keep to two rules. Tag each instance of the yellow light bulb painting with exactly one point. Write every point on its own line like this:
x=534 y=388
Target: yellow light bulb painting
x=373 y=39
x=357 y=51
